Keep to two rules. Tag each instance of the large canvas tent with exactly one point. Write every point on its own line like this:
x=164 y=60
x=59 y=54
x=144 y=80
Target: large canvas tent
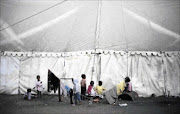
x=106 y=40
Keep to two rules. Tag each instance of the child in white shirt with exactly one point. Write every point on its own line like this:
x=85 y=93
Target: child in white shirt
x=76 y=91
x=38 y=86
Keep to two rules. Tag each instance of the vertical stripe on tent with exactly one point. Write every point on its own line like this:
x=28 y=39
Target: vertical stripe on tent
x=39 y=60
x=19 y=76
x=99 y=67
x=164 y=75
x=6 y=73
x=93 y=67
x=125 y=36
x=0 y=72
x=97 y=31
x=30 y=73
x=97 y=40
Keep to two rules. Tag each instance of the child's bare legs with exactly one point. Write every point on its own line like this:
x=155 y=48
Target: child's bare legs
x=83 y=93
x=39 y=93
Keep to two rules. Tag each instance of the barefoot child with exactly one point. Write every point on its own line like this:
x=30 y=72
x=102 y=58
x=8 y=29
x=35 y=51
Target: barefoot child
x=38 y=86
x=83 y=86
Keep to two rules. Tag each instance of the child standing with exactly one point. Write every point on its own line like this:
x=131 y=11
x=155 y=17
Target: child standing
x=38 y=86
x=76 y=91
x=71 y=95
x=83 y=86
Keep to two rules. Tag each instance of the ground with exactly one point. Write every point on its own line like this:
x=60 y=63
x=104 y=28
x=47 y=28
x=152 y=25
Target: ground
x=15 y=104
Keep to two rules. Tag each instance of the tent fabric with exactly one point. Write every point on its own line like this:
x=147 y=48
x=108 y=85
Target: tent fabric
x=31 y=67
x=106 y=40
x=9 y=78
x=76 y=65
x=171 y=74
x=70 y=25
x=62 y=67
x=143 y=72
x=149 y=73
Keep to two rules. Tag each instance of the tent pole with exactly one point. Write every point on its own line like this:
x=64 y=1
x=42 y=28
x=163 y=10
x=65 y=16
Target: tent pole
x=97 y=38
x=59 y=91
x=99 y=67
x=127 y=63
x=125 y=37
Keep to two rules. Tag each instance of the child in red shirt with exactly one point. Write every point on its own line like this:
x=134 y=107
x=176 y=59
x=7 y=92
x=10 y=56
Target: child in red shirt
x=83 y=86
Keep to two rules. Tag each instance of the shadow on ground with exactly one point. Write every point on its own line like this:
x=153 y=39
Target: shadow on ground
x=15 y=104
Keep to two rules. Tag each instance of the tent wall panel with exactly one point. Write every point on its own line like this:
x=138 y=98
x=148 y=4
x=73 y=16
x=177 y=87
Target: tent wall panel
x=66 y=26
x=9 y=75
x=28 y=72
x=147 y=75
x=150 y=73
x=113 y=69
x=146 y=72
x=75 y=66
x=172 y=74
x=32 y=67
x=53 y=64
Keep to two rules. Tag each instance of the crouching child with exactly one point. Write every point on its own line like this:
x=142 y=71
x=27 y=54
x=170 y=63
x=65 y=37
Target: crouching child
x=28 y=95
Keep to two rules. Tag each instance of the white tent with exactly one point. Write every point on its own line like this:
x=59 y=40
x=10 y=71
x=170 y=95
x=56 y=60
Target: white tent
x=107 y=40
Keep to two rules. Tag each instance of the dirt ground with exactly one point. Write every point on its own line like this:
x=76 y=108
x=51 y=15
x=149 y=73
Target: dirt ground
x=15 y=104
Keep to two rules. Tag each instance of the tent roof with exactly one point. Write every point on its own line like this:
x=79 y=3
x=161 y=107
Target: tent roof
x=70 y=25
